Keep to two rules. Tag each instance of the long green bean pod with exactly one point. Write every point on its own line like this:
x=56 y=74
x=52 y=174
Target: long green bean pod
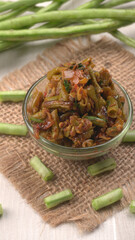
x=45 y=173
x=3 y=2
x=123 y=38
x=12 y=14
x=90 y=4
x=132 y=206
x=54 y=33
x=13 y=129
x=58 y=198
x=107 y=199
x=129 y=137
x=1 y=210
x=97 y=121
x=21 y=3
x=112 y=107
x=114 y=3
x=53 y=6
x=5 y=45
x=25 y=21
x=102 y=166
x=14 y=96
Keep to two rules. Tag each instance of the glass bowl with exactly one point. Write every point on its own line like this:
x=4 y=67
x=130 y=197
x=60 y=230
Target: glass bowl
x=79 y=153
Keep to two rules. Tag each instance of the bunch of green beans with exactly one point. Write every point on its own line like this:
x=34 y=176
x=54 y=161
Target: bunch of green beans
x=61 y=24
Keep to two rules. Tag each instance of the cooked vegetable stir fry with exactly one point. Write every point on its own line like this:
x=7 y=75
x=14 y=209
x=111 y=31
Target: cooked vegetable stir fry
x=79 y=106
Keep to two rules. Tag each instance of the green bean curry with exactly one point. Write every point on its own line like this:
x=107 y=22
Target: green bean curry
x=79 y=107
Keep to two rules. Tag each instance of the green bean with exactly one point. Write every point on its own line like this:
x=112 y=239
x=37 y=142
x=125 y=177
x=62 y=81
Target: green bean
x=3 y=2
x=102 y=166
x=94 y=81
x=24 y=21
x=7 y=45
x=132 y=206
x=129 y=137
x=92 y=94
x=21 y=3
x=102 y=102
x=125 y=39
x=112 y=131
x=36 y=120
x=114 y=3
x=54 y=33
x=1 y=210
x=55 y=199
x=13 y=129
x=35 y=100
x=90 y=4
x=35 y=9
x=66 y=106
x=12 y=14
x=14 y=96
x=97 y=121
x=53 y=98
x=55 y=127
x=41 y=115
x=45 y=173
x=107 y=199
x=112 y=108
x=53 y=6
x=63 y=93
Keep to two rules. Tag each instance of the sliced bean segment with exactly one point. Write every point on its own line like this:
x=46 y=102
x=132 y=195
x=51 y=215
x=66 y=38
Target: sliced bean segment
x=102 y=166
x=97 y=121
x=13 y=96
x=107 y=199
x=13 y=129
x=45 y=173
x=132 y=206
x=1 y=210
x=55 y=199
x=129 y=137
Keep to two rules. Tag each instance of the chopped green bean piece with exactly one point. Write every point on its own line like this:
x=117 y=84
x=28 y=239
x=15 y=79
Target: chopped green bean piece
x=36 y=120
x=107 y=199
x=13 y=96
x=55 y=199
x=102 y=166
x=45 y=173
x=129 y=137
x=112 y=108
x=13 y=129
x=1 y=210
x=132 y=206
x=53 y=98
x=92 y=94
x=97 y=121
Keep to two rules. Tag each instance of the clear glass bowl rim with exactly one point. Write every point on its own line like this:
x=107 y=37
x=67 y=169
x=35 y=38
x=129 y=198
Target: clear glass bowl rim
x=61 y=148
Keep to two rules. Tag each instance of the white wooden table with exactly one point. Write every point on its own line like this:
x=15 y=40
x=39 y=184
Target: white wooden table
x=20 y=221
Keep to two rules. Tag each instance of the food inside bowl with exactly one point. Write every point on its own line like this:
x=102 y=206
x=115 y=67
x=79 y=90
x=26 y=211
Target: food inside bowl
x=77 y=107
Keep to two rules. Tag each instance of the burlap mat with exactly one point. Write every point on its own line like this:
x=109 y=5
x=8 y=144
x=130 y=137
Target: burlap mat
x=16 y=151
